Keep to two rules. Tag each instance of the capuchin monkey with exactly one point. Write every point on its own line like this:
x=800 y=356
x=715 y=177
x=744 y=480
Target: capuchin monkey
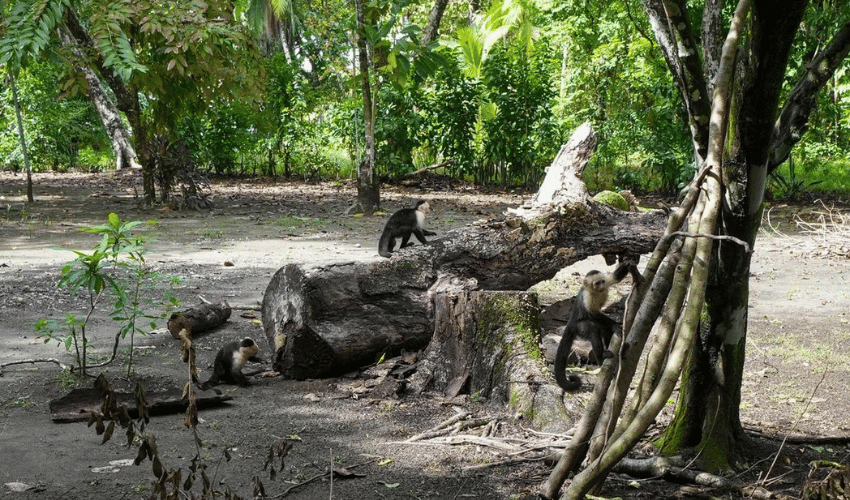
x=402 y=224
x=229 y=362
x=588 y=322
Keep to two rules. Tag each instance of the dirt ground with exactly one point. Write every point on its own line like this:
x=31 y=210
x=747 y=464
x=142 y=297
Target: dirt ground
x=795 y=381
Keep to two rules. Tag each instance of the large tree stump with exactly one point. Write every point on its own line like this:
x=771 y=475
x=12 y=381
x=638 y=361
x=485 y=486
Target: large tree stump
x=322 y=320
x=488 y=343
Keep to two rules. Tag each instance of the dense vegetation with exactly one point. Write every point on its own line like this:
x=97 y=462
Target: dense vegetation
x=275 y=91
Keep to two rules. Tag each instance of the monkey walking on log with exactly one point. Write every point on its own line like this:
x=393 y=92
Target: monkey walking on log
x=588 y=322
x=402 y=224
x=229 y=362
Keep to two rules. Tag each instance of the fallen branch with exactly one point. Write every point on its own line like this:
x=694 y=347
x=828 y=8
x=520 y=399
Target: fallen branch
x=513 y=461
x=439 y=429
x=667 y=468
x=499 y=444
x=26 y=361
x=802 y=439
x=319 y=476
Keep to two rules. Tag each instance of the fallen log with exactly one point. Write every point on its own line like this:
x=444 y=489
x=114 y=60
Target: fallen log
x=202 y=318
x=325 y=320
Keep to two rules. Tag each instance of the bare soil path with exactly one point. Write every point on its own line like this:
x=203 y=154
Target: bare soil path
x=795 y=381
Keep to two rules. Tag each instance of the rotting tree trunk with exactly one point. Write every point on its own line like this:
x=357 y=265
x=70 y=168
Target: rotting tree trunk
x=324 y=320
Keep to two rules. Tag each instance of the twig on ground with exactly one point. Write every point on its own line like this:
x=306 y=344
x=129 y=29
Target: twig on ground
x=441 y=428
x=318 y=476
x=513 y=461
x=26 y=361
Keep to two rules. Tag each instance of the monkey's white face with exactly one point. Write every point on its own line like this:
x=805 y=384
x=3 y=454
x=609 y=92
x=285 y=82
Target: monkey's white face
x=425 y=208
x=595 y=282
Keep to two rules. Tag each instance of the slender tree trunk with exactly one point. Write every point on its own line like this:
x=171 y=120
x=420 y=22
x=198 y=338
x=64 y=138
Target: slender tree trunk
x=22 y=137
x=122 y=146
x=432 y=31
x=368 y=185
x=127 y=101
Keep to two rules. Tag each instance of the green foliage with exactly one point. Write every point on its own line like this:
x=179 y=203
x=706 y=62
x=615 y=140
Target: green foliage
x=28 y=29
x=398 y=128
x=107 y=20
x=115 y=270
x=453 y=106
x=56 y=129
x=522 y=137
x=287 y=104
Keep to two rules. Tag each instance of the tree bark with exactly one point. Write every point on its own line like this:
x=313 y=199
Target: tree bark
x=22 y=137
x=708 y=414
x=328 y=319
x=432 y=31
x=127 y=101
x=793 y=120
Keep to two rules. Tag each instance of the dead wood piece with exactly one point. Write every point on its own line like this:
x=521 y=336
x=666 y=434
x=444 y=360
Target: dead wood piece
x=513 y=461
x=77 y=404
x=439 y=428
x=802 y=439
x=60 y=364
x=665 y=468
x=477 y=440
x=199 y=319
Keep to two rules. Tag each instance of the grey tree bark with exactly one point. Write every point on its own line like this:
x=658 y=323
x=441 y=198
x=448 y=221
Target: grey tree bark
x=368 y=185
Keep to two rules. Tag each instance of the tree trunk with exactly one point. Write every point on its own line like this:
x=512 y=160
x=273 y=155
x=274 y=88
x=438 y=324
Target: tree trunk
x=368 y=185
x=22 y=137
x=708 y=414
x=323 y=320
x=432 y=31
x=127 y=101
x=125 y=154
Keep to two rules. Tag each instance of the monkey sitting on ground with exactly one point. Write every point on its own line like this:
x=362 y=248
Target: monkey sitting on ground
x=229 y=362
x=588 y=322
x=401 y=224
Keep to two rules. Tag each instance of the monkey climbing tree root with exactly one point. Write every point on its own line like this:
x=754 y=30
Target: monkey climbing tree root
x=682 y=294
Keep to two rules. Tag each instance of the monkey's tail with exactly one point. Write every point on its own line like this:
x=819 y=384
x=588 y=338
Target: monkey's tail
x=209 y=384
x=384 y=244
x=571 y=382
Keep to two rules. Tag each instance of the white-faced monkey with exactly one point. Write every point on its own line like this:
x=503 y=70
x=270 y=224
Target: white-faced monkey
x=402 y=224
x=588 y=322
x=229 y=362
